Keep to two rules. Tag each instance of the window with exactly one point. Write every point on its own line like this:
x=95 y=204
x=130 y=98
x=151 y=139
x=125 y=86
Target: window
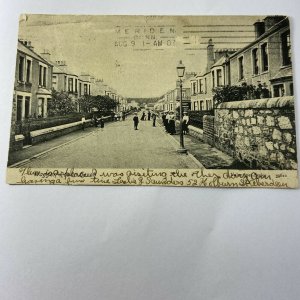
x=76 y=83
x=41 y=108
x=213 y=78
x=264 y=57
x=205 y=85
x=65 y=83
x=28 y=71
x=85 y=89
x=80 y=88
x=196 y=105
x=54 y=82
x=44 y=77
x=201 y=86
x=201 y=105
x=70 y=85
x=19 y=107
x=89 y=89
x=241 y=67
x=219 y=77
x=286 y=48
x=27 y=107
x=40 y=75
x=255 y=61
x=21 y=68
x=291 y=89
x=194 y=88
x=278 y=90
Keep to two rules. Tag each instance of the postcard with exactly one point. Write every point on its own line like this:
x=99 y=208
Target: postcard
x=202 y=101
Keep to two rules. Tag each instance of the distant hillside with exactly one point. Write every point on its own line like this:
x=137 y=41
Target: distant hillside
x=143 y=100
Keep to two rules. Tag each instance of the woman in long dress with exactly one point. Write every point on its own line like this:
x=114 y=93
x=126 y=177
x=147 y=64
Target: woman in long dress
x=185 y=123
x=172 y=129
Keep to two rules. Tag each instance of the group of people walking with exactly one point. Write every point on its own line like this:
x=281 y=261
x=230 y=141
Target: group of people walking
x=144 y=117
x=169 y=122
x=168 y=119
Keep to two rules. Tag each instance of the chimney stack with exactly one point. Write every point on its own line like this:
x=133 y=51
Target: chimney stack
x=210 y=54
x=259 y=28
x=46 y=55
x=270 y=21
x=27 y=44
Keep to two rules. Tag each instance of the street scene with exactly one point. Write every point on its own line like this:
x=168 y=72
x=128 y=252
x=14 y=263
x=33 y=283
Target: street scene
x=158 y=92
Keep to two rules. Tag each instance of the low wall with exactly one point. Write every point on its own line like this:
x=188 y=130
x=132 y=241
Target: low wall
x=46 y=134
x=260 y=133
x=193 y=131
x=18 y=142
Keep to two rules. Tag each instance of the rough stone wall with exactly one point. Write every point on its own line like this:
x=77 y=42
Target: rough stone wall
x=208 y=130
x=13 y=145
x=260 y=133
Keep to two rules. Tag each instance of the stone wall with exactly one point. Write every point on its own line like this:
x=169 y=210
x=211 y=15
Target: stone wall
x=208 y=130
x=260 y=133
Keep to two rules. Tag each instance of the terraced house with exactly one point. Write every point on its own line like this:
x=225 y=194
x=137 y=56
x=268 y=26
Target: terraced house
x=33 y=83
x=265 y=63
x=267 y=60
x=212 y=76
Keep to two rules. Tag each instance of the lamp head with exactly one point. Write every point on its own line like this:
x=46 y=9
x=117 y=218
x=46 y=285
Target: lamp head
x=180 y=69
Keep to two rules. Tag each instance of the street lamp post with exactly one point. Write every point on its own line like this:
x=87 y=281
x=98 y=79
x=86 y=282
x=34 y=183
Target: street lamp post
x=180 y=73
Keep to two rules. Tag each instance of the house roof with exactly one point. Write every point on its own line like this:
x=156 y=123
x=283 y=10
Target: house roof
x=220 y=62
x=281 y=24
x=283 y=73
x=63 y=70
x=30 y=52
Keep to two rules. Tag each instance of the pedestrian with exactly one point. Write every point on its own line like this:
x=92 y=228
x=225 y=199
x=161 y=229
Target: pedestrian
x=143 y=116
x=164 y=120
x=185 y=123
x=167 y=122
x=149 y=115
x=82 y=122
x=95 y=121
x=123 y=115
x=153 y=119
x=135 y=121
x=101 y=122
x=172 y=129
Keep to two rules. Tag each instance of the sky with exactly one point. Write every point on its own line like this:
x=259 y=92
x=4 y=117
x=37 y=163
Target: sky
x=136 y=55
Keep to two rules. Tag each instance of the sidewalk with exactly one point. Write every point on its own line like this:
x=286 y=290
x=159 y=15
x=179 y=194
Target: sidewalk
x=210 y=157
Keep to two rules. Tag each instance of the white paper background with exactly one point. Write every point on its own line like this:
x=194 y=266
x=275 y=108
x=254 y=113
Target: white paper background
x=153 y=243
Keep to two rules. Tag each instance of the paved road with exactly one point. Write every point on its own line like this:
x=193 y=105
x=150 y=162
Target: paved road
x=118 y=145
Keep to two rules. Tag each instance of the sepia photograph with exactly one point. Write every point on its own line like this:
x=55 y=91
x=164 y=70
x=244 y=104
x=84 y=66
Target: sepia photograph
x=153 y=100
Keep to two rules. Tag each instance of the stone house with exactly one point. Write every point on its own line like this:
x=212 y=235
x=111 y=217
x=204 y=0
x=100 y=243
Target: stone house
x=267 y=60
x=212 y=76
x=33 y=83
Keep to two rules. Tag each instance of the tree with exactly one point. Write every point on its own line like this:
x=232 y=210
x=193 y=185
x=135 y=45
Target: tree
x=104 y=103
x=60 y=104
x=86 y=103
x=237 y=93
x=101 y=103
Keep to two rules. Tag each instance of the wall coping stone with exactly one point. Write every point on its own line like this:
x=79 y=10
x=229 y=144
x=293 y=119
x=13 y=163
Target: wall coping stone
x=39 y=132
x=198 y=130
x=19 y=137
x=191 y=127
x=285 y=101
